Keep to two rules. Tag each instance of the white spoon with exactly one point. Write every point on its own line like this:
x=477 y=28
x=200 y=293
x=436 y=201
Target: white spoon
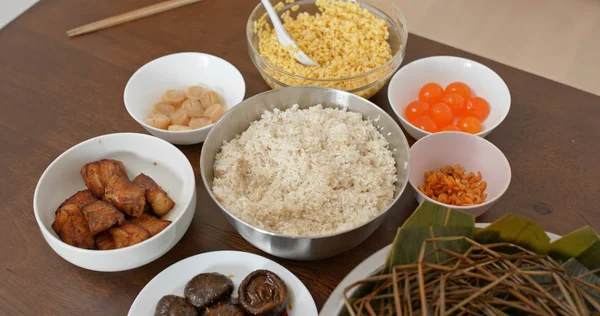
x=284 y=38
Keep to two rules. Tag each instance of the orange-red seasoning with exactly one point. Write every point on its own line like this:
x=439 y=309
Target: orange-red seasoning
x=452 y=185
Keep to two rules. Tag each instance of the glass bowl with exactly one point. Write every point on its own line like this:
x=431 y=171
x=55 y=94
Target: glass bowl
x=364 y=85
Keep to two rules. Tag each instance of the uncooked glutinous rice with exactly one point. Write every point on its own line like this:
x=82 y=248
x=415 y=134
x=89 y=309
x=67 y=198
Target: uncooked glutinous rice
x=306 y=172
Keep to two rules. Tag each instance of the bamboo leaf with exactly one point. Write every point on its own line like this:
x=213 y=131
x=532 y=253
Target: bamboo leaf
x=410 y=240
x=573 y=244
x=427 y=220
x=590 y=258
x=517 y=230
x=430 y=214
x=575 y=268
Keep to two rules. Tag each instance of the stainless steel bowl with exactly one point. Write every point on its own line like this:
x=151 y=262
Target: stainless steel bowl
x=238 y=119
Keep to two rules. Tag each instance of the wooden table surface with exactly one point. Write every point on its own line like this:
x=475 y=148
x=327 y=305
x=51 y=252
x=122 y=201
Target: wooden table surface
x=57 y=92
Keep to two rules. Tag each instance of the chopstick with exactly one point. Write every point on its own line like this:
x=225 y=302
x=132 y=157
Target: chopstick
x=128 y=16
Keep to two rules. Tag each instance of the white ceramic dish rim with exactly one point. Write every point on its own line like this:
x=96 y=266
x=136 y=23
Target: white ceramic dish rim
x=137 y=73
x=427 y=59
x=240 y=253
x=470 y=207
x=366 y=268
x=382 y=213
x=95 y=251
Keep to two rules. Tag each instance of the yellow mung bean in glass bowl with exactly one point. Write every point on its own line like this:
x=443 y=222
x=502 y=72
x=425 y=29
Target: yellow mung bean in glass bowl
x=358 y=45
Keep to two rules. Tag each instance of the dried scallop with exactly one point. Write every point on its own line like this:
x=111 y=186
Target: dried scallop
x=174 y=97
x=163 y=108
x=214 y=112
x=192 y=108
x=158 y=120
x=180 y=118
x=200 y=122
x=194 y=92
x=208 y=98
x=179 y=128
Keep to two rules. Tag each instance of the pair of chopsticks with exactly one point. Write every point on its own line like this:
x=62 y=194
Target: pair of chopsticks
x=129 y=16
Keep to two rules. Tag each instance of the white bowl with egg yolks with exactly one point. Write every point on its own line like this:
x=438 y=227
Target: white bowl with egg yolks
x=179 y=71
x=484 y=82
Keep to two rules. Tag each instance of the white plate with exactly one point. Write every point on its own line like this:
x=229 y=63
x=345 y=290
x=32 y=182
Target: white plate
x=235 y=264
x=365 y=269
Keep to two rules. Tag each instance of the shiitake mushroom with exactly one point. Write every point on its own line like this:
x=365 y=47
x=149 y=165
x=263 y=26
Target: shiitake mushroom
x=208 y=288
x=263 y=293
x=172 y=305
x=224 y=309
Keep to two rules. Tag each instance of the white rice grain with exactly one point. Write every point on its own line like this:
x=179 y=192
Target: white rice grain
x=307 y=172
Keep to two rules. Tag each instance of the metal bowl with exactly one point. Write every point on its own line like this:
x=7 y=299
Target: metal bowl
x=238 y=119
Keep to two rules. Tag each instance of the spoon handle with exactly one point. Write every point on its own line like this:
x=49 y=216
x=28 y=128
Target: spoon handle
x=284 y=38
x=273 y=15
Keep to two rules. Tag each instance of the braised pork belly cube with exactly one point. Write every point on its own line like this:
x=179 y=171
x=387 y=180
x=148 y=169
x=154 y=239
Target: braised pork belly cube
x=72 y=228
x=80 y=199
x=159 y=200
x=105 y=241
x=98 y=174
x=128 y=234
x=153 y=224
x=101 y=216
x=126 y=196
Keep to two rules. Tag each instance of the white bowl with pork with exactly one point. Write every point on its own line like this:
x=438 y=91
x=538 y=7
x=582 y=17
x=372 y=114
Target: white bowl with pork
x=140 y=153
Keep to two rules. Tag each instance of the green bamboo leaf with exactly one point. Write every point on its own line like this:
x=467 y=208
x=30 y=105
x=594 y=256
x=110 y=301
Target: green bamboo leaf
x=430 y=214
x=517 y=230
x=573 y=244
x=590 y=258
x=427 y=221
x=576 y=268
x=410 y=240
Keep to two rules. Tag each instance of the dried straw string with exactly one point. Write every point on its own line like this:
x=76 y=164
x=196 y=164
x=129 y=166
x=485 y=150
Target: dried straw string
x=508 y=282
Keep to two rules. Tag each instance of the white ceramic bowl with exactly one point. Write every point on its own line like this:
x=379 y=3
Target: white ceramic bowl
x=473 y=153
x=443 y=70
x=179 y=71
x=160 y=160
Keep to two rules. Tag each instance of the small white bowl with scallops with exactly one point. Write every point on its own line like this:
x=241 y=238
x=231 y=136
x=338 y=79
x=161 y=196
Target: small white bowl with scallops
x=179 y=97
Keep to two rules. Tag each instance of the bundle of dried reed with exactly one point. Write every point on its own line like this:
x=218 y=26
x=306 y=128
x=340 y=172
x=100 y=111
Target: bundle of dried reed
x=487 y=279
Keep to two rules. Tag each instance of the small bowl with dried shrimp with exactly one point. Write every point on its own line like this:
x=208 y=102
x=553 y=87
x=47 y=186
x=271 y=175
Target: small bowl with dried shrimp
x=458 y=170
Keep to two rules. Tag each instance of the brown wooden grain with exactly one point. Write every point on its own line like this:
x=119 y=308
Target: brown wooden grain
x=57 y=92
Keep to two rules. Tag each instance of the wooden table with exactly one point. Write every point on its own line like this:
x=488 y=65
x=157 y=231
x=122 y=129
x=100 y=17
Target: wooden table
x=57 y=92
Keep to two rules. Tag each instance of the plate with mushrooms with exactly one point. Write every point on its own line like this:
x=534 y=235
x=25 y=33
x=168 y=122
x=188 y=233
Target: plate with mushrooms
x=225 y=283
